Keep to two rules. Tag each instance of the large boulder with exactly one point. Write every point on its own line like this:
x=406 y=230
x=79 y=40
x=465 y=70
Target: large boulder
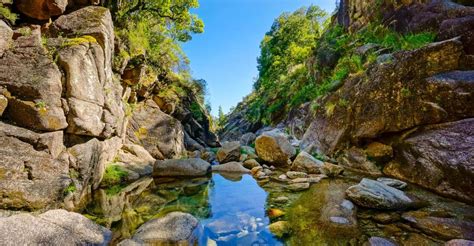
x=6 y=34
x=305 y=162
x=55 y=227
x=175 y=228
x=395 y=96
x=31 y=177
x=193 y=167
x=160 y=134
x=438 y=157
x=41 y=9
x=373 y=194
x=230 y=151
x=231 y=167
x=274 y=148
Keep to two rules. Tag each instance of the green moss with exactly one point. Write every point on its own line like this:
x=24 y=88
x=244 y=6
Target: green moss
x=70 y=189
x=114 y=175
x=405 y=92
x=79 y=40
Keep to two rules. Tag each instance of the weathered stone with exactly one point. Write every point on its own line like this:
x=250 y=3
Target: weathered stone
x=6 y=34
x=186 y=167
x=251 y=163
x=273 y=147
x=355 y=158
x=440 y=158
x=41 y=9
x=160 y=134
x=135 y=158
x=230 y=151
x=280 y=228
x=305 y=162
x=55 y=227
x=332 y=170
x=379 y=152
x=234 y=167
x=294 y=175
x=446 y=228
x=459 y=242
x=174 y=228
x=3 y=104
x=395 y=183
x=373 y=194
x=380 y=241
x=247 y=139
x=298 y=187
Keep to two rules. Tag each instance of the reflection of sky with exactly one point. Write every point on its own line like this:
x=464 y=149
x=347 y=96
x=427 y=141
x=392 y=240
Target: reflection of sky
x=238 y=213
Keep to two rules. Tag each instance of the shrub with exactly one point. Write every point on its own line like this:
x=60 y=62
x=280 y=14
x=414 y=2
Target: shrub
x=114 y=174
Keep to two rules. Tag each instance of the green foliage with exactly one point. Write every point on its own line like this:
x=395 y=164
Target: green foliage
x=197 y=112
x=114 y=175
x=70 y=189
x=6 y=14
x=114 y=190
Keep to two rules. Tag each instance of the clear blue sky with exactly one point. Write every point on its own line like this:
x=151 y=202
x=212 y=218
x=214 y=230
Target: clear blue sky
x=225 y=55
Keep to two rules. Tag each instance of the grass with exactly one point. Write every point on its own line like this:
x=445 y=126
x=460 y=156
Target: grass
x=6 y=14
x=114 y=175
x=70 y=189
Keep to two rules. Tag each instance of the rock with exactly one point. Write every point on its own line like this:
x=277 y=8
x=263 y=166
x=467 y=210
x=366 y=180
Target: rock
x=379 y=152
x=6 y=34
x=42 y=9
x=355 y=158
x=230 y=151
x=234 y=167
x=208 y=156
x=459 y=242
x=251 y=163
x=3 y=104
x=175 y=228
x=160 y=134
x=294 y=175
x=373 y=194
x=249 y=151
x=255 y=170
x=446 y=228
x=372 y=97
x=134 y=158
x=31 y=178
x=438 y=157
x=385 y=218
x=306 y=180
x=279 y=228
x=176 y=168
x=332 y=170
x=281 y=200
x=274 y=148
x=339 y=220
x=395 y=183
x=247 y=139
x=305 y=162
x=275 y=213
x=380 y=241
x=298 y=187
x=55 y=227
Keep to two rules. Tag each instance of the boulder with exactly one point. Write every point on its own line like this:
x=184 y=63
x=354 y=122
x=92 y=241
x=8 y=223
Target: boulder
x=134 y=158
x=332 y=170
x=445 y=228
x=356 y=159
x=41 y=9
x=305 y=162
x=230 y=151
x=395 y=183
x=186 y=167
x=373 y=194
x=175 y=228
x=55 y=227
x=298 y=187
x=160 y=134
x=294 y=175
x=31 y=177
x=248 y=139
x=251 y=163
x=233 y=167
x=379 y=152
x=274 y=148
x=438 y=157
x=280 y=228
x=6 y=34
x=459 y=242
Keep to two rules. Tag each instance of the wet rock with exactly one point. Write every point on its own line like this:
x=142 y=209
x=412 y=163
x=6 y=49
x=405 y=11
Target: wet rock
x=305 y=162
x=395 y=183
x=174 y=228
x=379 y=152
x=332 y=170
x=187 y=167
x=251 y=163
x=459 y=242
x=247 y=139
x=355 y=158
x=160 y=134
x=373 y=194
x=298 y=187
x=230 y=151
x=6 y=34
x=234 y=167
x=55 y=227
x=274 y=148
x=446 y=228
x=294 y=175
x=438 y=157
x=280 y=228
x=41 y=9
x=380 y=241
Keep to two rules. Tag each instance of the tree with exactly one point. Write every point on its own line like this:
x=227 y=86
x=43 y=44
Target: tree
x=221 y=116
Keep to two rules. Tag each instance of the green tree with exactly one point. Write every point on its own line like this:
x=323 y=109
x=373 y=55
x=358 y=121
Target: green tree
x=221 y=116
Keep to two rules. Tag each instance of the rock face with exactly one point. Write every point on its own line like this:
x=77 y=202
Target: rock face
x=274 y=148
x=174 y=228
x=247 y=139
x=30 y=175
x=42 y=9
x=305 y=162
x=440 y=158
x=373 y=194
x=160 y=134
x=55 y=227
x=176 y=168
x=230 y=151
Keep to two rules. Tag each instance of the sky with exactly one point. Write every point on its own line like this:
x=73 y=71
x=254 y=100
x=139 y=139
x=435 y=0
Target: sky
x=225 y=55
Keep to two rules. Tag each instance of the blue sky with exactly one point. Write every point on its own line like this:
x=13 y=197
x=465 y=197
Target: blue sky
x=225 y=55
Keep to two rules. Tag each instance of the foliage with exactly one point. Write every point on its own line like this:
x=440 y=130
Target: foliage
x=197 y=111
x=114 y=174
x=6 y=14
x=70 y=189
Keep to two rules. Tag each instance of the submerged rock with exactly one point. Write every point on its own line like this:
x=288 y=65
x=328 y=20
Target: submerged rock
x=274 y=148
x=234 y=167
x=279 y=228
x=230 y=151
x=298 y=186
x=55 y=227
x=187 y=167
x=373 y=194
x=305 y=162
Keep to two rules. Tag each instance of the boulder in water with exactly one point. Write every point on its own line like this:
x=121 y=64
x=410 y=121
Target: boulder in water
x=193 y=167
x=274 y=148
